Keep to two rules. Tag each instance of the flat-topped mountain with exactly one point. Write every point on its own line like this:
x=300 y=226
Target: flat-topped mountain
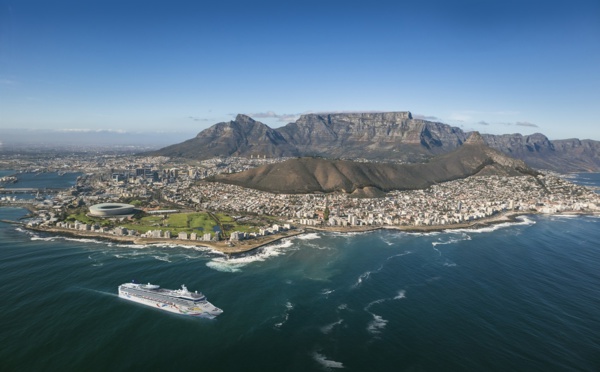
x=388 y=135
x=309 y=175
x=377 y=136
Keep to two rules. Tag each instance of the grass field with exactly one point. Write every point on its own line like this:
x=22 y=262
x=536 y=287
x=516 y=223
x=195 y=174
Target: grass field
x=83 y=218
x=199 y=223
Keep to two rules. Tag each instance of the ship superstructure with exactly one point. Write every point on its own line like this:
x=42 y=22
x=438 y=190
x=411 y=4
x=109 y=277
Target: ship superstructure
x=180 y=301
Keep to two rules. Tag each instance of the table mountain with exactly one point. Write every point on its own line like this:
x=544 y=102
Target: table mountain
x=376 y=136
x=371 y=135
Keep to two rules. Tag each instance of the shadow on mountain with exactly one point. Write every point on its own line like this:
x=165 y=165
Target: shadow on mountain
x=313 y=175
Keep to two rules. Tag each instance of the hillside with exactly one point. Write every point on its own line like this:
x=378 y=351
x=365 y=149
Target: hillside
x=309 y=175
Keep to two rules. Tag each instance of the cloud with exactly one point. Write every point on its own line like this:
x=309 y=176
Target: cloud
x=272 y=115
x=460 y=117
x=87 y=130
x=506 y=123
x=197 y=119
x=490 y=113
x=348 y=112
x=526 y=124
x=88 y=138
x=426 y=117
x=476 y=115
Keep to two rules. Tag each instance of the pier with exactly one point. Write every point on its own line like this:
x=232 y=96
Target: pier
x=13 y=222
x=29 y=190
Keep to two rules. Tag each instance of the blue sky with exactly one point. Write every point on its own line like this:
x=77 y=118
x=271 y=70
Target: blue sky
x=181 y=66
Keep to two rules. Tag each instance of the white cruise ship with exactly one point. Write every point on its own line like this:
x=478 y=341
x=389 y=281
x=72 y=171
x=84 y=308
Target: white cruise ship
x=180 y=301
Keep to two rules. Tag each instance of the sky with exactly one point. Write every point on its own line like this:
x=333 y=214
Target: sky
x=177 y=67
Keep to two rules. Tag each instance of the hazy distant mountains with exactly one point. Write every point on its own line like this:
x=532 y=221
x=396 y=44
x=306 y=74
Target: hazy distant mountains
x=389 y=135
x=309 y=175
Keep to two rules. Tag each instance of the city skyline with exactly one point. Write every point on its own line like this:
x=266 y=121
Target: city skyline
x=179 y=67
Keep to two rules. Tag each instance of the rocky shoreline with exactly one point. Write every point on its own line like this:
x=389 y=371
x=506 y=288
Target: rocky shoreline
x=221 y=246
x=484 y=222
x=244 y=246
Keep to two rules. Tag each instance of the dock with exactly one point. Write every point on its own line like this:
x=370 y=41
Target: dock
x=29 y=190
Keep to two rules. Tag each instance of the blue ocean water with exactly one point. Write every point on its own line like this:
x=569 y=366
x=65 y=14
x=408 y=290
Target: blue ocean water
x=517 y=297
x=50 y=180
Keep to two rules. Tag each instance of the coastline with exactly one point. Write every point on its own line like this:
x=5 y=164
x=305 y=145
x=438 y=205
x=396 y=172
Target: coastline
x=224 y=246
x=244 y=246
x=484 y=222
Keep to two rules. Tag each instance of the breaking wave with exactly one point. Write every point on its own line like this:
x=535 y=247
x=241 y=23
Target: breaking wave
x=308 y=236
x=399 y=255
x=431 y=233
x=364 y=276
x=84 y=240
x=162 y=258
x=350 y=234
x=401 y=294
x=128 y=256
x=378 y=323
x=367 y=274
x=286 y=315
x=522 y=221
x=322 y=359
x=235 y=264
x=326 y=292
x=329 y=327
x=463 y=236
x=46 y=239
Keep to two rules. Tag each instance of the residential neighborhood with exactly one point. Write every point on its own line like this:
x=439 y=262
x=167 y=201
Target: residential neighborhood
x=160 y=186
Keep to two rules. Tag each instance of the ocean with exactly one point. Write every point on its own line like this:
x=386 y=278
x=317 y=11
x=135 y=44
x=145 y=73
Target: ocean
x=521 y=296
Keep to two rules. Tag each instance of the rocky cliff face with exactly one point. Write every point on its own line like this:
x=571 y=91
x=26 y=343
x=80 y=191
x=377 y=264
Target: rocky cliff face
x=388 y=135
x=371 y=135
x=240 y=137
x=571 y=155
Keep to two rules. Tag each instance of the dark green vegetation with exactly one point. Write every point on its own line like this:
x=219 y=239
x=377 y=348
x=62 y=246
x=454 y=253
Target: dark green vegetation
x=376 y=136
x=307 y=175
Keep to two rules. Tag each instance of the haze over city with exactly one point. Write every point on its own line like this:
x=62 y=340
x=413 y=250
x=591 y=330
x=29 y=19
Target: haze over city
x=167 y=70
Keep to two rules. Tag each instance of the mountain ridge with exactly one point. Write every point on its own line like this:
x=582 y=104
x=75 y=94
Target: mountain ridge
x=376 y=136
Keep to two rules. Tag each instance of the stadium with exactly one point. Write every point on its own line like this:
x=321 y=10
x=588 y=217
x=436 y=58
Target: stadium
x=111 y=210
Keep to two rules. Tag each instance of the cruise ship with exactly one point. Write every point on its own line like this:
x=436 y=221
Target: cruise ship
x=180 y=301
